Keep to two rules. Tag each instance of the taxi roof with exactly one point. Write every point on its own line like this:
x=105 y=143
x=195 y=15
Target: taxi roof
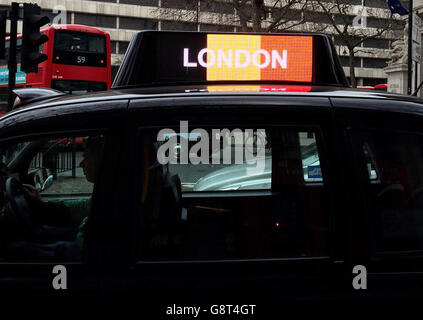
x=220 y=90
x=109 y=108
x=211 y=64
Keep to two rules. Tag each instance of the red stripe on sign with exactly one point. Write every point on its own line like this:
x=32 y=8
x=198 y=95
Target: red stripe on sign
x=291 y=58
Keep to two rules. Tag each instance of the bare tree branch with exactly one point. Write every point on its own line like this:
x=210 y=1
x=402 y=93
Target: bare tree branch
x=352 y=36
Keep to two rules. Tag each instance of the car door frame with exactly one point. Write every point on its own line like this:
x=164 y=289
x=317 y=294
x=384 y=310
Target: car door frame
x=34 y=280
x=389 y=276
x=329 y=270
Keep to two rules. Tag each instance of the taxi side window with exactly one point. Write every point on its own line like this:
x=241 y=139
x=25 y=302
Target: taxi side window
x=209 y=211
x=60 y=160
x=45 y=199
x=395 y=171
x=231 y=163
x=240 y=160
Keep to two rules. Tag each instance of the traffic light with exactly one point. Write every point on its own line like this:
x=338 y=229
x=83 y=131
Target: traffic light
x=3 y=17
x=32 y=38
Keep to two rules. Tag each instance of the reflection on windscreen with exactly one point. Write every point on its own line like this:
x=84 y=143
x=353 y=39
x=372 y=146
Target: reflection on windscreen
x=10 y=153
x=310 y=157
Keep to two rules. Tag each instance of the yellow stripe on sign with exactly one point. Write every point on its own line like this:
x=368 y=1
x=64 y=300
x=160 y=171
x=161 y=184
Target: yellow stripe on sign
x=231 y=55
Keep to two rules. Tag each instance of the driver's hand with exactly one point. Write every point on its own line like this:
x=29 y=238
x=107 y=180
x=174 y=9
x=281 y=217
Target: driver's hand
x=33 y=193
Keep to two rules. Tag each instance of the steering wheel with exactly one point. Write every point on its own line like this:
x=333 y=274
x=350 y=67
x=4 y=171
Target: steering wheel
x=19 y=205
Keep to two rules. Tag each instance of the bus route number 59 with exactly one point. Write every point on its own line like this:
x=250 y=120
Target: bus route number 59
x=80 y=60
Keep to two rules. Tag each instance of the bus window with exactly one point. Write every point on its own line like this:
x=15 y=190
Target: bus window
x=18 y=50
x=78 y=87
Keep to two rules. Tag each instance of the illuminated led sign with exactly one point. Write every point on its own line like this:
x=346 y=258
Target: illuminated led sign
x=245 y=88
x=254 y=57
x=243 y=59
x=171 y=58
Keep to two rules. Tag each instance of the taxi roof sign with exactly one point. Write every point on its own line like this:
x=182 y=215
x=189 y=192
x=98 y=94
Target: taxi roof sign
x=172 y=58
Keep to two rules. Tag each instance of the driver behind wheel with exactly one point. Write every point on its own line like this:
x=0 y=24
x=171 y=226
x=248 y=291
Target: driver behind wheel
x=60 y=237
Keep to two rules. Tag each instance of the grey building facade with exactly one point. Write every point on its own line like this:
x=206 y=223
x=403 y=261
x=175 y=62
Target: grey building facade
x=122 y=18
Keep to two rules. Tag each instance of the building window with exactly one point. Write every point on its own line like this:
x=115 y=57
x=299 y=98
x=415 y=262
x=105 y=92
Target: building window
x=345 y=61
x=376 y=43
x=113 y=46
x=182 y=26
x=137 y=23
x=374 y=63
x=216 y=6
x=123 y=45
x=114 y=1
x=385 y=23
x=339 y=19
x=179 y=4
x=286 y=14
x=239 y=29
x=150 y=3
x=377 y=4
x=216 y=27
x=95 y=20
x=398 y=25
x=316 y=17
x=338 y=41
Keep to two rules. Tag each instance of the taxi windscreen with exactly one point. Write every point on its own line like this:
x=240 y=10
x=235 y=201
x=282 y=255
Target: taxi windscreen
x=189 y=57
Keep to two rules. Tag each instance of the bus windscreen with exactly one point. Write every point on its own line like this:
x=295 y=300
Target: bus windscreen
x=79 y=48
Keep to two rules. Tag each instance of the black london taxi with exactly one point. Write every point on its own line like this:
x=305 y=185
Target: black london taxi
x=220 y=167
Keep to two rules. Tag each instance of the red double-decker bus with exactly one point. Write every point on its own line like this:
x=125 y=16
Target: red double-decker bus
x=78 y=62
